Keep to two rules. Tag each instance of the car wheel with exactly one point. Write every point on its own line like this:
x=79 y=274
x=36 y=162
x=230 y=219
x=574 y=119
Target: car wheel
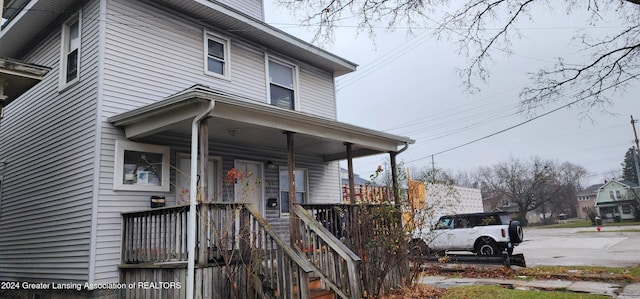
x=486 y=246
x=417 y=247
x=516 y=235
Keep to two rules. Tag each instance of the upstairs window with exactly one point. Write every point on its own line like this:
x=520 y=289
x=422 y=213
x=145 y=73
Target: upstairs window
x=282 y=84
x=216 y=56
x=70 y=60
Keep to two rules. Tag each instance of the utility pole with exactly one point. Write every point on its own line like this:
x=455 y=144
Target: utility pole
x=636 y=149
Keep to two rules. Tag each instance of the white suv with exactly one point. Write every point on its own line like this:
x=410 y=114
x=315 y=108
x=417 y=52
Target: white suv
x=481 y=233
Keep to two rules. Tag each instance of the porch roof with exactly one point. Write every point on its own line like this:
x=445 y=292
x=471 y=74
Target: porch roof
x=16 y=77
x=243 y=121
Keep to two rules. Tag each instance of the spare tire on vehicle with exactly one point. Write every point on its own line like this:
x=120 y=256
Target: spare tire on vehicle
x=516 y=235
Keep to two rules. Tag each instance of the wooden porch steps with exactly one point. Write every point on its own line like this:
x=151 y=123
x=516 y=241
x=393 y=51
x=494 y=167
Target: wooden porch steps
x=316 y=291
x=322 y=294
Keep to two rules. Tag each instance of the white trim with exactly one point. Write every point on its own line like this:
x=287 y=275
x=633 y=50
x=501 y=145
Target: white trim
x=121 y=147
x=64 y=52
x=295 y=74
x=97 y=147
x=226 y=43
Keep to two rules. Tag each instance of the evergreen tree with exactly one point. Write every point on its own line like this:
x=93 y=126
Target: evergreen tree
x=629 y=167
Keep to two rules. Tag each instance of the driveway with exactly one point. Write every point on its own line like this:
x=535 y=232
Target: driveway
x=581 y=246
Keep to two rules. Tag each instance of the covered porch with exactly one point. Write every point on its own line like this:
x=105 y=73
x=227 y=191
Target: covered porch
x=187 y=237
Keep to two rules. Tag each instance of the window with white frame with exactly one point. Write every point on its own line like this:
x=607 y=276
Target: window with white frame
x=618 y=195
x=70 y=51
x=141 y=167
x=611 y=196
x=626 y=209
x=216 y=51
x=301 y=188
x=282 y=84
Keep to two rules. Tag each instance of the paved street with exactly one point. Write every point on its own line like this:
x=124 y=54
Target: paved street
x=581 y=246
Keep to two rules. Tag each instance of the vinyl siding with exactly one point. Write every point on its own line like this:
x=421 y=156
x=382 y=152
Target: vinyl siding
x=47 y=140
x=316 y=92
x=253 y=8
x=150 y=55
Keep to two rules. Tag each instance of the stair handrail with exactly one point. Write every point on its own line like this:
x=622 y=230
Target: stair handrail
x=303 y=264
x=349 y=256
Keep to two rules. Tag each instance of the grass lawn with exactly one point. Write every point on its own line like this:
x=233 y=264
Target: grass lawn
x=593 y=273
x=497 y=292
x=587 y=223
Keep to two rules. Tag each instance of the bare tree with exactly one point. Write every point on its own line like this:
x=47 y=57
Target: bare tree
x=532 y=186
x=613 y=61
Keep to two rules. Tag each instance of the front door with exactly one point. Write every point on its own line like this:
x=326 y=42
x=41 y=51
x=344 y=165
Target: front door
x=183 y=182
x=248 y=185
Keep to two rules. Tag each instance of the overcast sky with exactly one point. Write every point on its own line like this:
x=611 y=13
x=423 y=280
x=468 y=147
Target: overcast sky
x=408 y=85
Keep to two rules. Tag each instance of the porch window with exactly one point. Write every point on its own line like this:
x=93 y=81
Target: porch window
x=301 y=188
x=141 y=167
x=70 y=51
x=282 y=84
x=626 y=209
x=216 y=51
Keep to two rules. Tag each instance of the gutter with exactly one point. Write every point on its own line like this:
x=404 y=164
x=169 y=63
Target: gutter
x=191 y=226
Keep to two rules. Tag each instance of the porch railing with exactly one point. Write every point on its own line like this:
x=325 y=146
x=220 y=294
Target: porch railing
x=336 y=264
x=228 y=234
x=154 y=236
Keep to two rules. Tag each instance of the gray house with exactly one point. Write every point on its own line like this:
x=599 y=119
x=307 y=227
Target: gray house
x=137 y=88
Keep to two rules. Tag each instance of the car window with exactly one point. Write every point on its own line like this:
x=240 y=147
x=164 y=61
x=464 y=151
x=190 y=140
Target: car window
x=488 y=220
x=462 y=222
x=445 y=223
x=505 y=219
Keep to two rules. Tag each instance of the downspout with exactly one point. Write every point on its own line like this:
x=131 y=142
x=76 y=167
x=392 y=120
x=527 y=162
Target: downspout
x=394 y=174
x=193 y=203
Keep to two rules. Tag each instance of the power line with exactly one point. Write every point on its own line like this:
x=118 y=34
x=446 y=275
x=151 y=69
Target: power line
x=524 y=122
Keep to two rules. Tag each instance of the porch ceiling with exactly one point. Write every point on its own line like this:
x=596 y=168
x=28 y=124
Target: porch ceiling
x=17 y=77
x=244 y=122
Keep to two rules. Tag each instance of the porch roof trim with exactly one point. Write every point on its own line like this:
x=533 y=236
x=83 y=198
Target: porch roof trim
x=185 y=105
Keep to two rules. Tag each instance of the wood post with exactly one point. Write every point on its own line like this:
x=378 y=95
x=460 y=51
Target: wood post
x=294 y=230
x=352 y=188
x=204 y=159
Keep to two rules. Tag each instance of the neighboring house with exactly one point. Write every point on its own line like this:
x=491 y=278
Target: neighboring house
x=136 y=90
x=513 y=210
x=587 y=200
x=614 y=201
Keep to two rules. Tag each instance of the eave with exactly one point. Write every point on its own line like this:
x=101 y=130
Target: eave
x=17 y=77
x=256 y=124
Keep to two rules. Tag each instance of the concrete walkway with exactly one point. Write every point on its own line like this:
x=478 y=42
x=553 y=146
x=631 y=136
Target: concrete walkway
x=602 y=288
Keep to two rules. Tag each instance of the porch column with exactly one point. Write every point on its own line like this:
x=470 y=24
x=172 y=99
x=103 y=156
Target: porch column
x=352 y=187
x=294 y=231
x=204 y=159
x=193 y=203
x=394 y=179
